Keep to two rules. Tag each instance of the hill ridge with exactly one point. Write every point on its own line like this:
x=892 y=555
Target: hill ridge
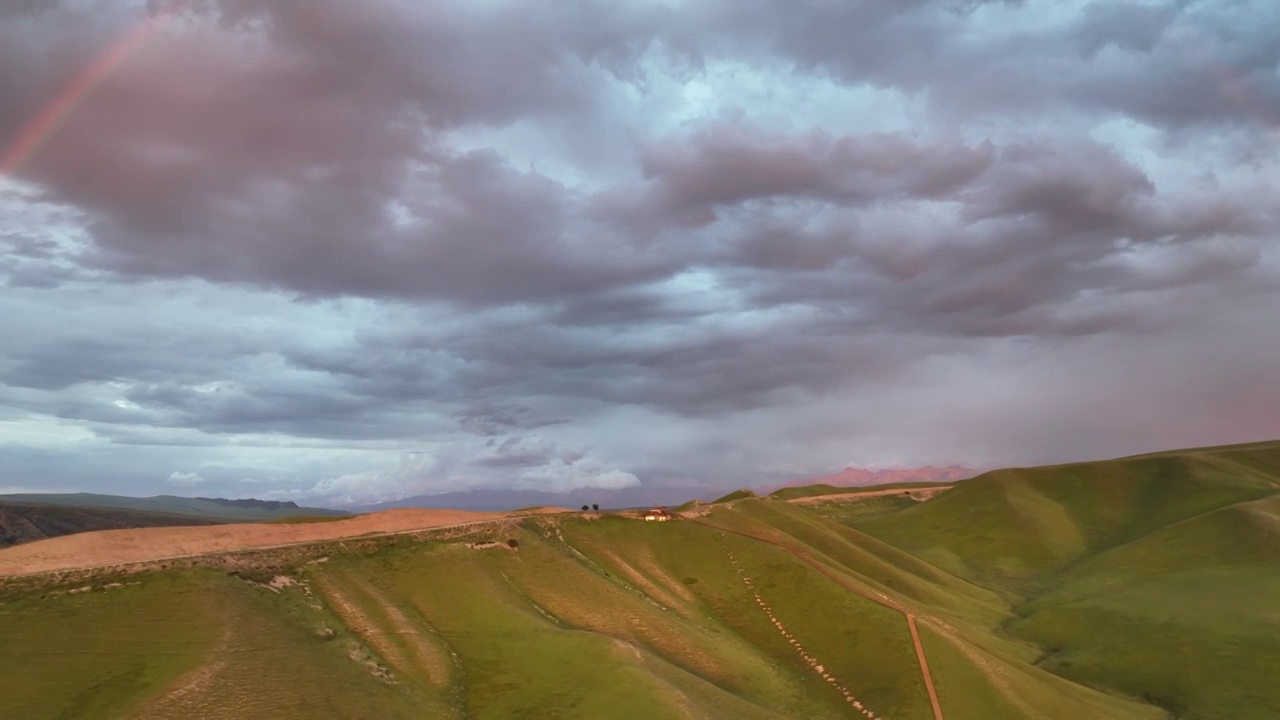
x=1112 y=590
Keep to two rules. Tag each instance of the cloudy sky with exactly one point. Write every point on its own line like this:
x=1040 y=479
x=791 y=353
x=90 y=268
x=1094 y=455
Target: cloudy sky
x=335 y=250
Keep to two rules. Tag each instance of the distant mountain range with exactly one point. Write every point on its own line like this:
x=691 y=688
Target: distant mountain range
x=515 y=499
x=646 y=495
x=859 y=477
x=33 y=516
x=24 y=523
x=28 y=517
x=213 y=508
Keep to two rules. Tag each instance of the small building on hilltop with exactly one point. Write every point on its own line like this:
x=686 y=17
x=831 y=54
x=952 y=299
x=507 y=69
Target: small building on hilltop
x=658 y=514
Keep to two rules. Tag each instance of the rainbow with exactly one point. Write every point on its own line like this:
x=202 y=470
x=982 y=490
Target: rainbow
x=42 y=126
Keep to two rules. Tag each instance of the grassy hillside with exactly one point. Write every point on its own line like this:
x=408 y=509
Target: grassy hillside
x=735 y=495
x=1015 y=529
x=582 y=618
x=1137 y=588
x=1198 y=594
x=1156 y=575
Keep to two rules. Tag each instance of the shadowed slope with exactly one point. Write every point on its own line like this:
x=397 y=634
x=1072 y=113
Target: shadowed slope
x=28 y=523
x=1185 y=616
x=1156 y=576
x=1013 y=530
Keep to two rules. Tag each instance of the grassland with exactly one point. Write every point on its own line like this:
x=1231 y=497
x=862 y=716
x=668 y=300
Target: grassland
x=1138 y=588
x=1156 y=576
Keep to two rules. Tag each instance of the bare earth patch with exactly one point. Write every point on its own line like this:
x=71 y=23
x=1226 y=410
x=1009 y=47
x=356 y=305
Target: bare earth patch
x=637 y=578
x=433 y=661
x=184 y=698
x=126 y=547
x=359 y=623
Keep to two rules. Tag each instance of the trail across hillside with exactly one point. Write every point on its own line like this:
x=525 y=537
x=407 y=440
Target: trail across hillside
x=920 y=494
x=877 y=598
x=812 y=661
x=109 y=548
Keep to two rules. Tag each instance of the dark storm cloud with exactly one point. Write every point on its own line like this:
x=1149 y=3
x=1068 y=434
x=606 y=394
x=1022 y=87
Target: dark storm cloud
x=497 y=419
x=306 y=129
x=516 y=452
x=631 y=306
x=1174 y=64
x=490 y=228
x=724 y=165
x=1197 y=63
x=317 y=126
x=1039 y=227
x=1124 y=26
x=438 y=59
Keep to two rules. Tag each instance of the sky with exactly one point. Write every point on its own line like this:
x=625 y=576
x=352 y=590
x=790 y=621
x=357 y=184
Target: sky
x=345 y=252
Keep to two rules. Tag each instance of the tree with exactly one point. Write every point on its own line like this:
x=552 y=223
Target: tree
x=513 y=543
x=595 y=507
x=585 y=508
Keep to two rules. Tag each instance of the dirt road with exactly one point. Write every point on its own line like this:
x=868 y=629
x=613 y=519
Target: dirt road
x=108 y=548
x=916 y=494
x=924 y=667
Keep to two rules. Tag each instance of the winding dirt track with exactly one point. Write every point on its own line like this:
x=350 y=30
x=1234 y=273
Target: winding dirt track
x=924 y=667
x=111 y=548
x=879 y=599
x=915 y=493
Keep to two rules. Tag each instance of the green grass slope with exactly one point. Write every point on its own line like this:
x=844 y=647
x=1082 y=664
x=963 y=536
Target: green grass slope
x=181 y=644
x=1138 y=588
x=1156 y=576
x=1185 y=616
x=1014 y=530
x=583 y=618
x=966 y=615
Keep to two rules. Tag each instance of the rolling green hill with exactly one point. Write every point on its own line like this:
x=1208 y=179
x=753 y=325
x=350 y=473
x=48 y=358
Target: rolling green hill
x=1157 y=575
x=1143 y=587
x=735 y=495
